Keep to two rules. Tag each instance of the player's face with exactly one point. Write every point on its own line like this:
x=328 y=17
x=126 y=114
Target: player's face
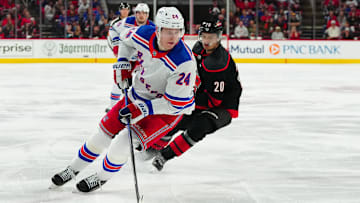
x=169 y=38
x=124 y=12
x=210 y=41
x=141 y=17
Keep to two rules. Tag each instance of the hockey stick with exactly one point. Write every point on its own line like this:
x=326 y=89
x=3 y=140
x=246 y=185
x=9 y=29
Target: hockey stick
x=138 y=198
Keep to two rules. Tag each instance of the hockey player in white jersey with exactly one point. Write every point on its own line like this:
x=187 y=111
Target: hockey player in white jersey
x=116 y=27
x=162 y=91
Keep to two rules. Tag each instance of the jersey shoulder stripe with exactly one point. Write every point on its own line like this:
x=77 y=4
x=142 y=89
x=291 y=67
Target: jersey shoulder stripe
x=141 y=41
x=167 y=64
x=145 y=31
x=180 y=54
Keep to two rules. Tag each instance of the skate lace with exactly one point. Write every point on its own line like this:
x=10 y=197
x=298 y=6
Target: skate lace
x=93 y=181
x=160 y=160
x=67 y=174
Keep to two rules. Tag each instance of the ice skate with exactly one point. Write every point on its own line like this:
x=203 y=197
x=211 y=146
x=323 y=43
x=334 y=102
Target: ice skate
x=90 y=184
x=159 y=162
x=63 y=177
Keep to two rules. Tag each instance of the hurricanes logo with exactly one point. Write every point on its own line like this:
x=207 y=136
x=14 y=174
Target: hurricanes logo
x=274 y=49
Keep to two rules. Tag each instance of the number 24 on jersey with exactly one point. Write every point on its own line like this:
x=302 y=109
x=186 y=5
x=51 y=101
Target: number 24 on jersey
x=184 y=79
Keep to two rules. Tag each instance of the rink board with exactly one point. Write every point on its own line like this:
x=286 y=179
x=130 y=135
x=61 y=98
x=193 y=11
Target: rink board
x=242 y=51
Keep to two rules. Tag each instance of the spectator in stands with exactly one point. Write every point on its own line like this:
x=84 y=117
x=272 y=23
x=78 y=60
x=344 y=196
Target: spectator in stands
x=72 y=16
x=77 y=30
x=347 y=35
x=95 y=3
x=83 y=7
x=49 y=12
x=268 y=28
x=28 y=31
x=277 y=34
x=331 y=2
x=280 y=13
x=331 y=5
x=266 y=17
x=97 y=34
x=351 y=28
x=252 y=28
x=294 y=34
x=2 y=34
x=282 y=3
x=59 y=7
x=281 y=22
x=241 y=32
x=6 y=6
x=237 y=12
x=341 y=19
x=9 y=30
x=333 y=32
x=295 y=5
x=352 y=19
x=232 y=19
x=8 y=20
x=214 y=11
x=330 y=18
x=69 y=31
x=294 y=20
x=105 y=27
x=245 y=17
x=351 y=3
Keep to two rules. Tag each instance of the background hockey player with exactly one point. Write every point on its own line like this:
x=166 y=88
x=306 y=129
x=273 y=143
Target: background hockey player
x=161 y=92
x=217 y=98
x=116 y=27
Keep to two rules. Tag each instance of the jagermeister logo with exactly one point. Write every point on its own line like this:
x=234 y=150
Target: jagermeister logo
x=82 y=49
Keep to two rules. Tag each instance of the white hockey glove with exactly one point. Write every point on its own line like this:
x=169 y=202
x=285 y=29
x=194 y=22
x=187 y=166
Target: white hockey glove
x=122 y=73
x=135 y=112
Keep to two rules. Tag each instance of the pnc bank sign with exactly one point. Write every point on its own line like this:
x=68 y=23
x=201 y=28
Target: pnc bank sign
x=274 y=49
x=304 y=49
x=288 y=49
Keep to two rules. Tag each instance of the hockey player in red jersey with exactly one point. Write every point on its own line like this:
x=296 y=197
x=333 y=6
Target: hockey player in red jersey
x=216 y=100
x=161 y=92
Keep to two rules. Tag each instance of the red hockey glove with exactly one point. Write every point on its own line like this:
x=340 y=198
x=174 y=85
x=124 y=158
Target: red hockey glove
x=135 y=111
x=122 y=73
x=197 y=83
x=116 y=51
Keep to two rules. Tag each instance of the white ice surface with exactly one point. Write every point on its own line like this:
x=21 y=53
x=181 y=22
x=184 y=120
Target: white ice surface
x=297 y=138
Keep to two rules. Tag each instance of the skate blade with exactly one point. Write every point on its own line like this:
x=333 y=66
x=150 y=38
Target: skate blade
x=75 y=190
x=53 y=186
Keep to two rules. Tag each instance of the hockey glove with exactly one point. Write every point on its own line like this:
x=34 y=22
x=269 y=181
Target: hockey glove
x=135 y=112
x=197 y=83
x=122 y=73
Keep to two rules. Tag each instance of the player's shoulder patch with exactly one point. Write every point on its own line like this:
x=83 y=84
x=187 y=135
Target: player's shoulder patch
x=145 y=31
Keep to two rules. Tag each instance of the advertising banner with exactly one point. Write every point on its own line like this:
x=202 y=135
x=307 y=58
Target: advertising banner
x=302 y=49
x=242 y=51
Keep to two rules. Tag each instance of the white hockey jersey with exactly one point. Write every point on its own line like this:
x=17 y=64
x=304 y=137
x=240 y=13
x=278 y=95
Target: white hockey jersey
x=164 y=80
x=117 y=26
